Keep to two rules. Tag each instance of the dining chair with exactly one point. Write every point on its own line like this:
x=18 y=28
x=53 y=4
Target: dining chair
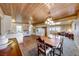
x=43 y=49
x=58 y=50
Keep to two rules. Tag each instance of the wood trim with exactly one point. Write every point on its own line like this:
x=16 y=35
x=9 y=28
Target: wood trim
x=65 y=17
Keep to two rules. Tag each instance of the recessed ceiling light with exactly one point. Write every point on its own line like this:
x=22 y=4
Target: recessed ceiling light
x=13 y=20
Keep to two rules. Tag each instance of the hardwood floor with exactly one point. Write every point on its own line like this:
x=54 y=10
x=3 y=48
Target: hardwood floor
x=29 y=44
x=11 y=50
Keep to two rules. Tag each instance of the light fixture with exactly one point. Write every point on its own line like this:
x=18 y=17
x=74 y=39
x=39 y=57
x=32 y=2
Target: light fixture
x=30 y=20
x=69 y=30
x=13 y=20
x=31 y=17
x=49 y=20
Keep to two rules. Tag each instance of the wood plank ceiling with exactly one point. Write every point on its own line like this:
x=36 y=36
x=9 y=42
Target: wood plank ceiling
x=39 y=11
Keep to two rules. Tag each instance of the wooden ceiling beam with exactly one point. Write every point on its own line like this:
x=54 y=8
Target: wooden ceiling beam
x=58 y=19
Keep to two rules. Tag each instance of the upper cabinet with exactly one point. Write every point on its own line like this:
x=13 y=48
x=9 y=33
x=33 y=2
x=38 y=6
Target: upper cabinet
x=5 y=24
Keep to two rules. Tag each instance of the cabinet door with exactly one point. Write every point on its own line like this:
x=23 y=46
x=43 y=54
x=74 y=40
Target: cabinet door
x=5 y=24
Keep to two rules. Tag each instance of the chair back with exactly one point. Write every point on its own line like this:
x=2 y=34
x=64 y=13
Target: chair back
x=59 y=47
x=41 y=44
x=61 y=43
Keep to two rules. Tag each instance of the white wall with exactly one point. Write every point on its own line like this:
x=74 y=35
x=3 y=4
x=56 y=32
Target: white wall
x=13 y=28
x=75 y=25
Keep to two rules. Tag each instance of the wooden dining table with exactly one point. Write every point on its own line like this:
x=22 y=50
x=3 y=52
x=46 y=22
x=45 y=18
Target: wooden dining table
x=52 y=42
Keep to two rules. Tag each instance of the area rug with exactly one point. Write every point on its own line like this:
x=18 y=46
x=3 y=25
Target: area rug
x=33 y=52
